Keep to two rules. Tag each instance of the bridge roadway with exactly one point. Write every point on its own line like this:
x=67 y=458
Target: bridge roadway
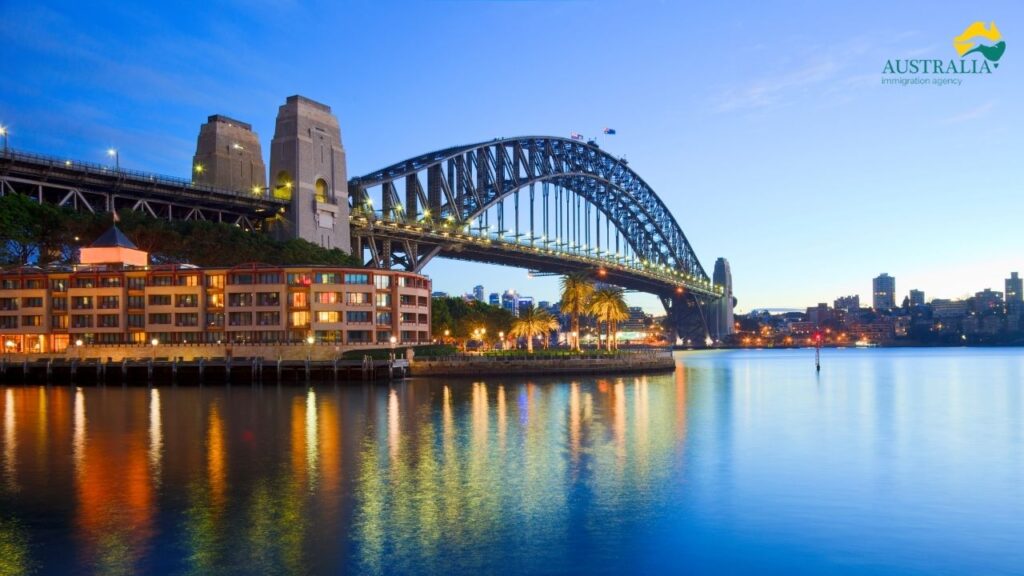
x=98 y=188
x=542 y=256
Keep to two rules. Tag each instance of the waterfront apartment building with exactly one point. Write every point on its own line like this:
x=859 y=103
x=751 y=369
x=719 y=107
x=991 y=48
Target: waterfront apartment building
x=884 y=292
x=118 y=303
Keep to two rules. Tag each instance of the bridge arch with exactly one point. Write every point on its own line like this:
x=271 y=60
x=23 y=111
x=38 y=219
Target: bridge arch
x=461 y=184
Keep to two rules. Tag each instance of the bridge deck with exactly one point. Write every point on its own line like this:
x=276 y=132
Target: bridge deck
x=37 y=170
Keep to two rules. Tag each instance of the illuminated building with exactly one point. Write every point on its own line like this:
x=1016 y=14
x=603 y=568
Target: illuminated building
x=113 y=297
x=884 y=292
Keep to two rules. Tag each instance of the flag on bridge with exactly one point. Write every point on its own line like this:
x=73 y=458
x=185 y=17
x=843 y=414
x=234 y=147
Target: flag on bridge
x=610 y=131
x=576 y=136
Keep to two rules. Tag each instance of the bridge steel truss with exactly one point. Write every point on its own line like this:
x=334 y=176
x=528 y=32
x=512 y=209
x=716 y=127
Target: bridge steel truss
x=95 y=188
x=561 y=190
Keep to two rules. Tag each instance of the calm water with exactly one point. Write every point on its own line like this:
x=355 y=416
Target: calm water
x=889 y=461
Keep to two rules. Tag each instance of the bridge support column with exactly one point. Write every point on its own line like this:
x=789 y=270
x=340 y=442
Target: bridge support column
x=688 y=319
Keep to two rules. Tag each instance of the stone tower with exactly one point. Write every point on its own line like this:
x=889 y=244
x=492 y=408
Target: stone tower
x=721 y=319
x=307 y=167
x=228 y=156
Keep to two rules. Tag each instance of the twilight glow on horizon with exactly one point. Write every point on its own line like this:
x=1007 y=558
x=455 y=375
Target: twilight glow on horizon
x=767 y=130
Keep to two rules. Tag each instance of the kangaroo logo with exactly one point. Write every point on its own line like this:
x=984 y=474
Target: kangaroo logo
x=965 y=43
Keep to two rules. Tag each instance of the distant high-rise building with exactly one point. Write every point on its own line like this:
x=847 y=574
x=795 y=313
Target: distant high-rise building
x=916 y=298
x=720 y=317
x=523 y=304
x=478 y=293
x=439 y=294
x=510 y=302
x=1014 y=294
x=884 y=292
x=847 y=303
x=494 y=299
x=819 y=314
x=987 y=300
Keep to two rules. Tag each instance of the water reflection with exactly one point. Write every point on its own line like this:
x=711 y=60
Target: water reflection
x=731 y=453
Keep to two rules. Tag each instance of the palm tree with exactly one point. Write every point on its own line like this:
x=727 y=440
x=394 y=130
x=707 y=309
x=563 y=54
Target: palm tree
x=531 y=323
x=609 y=306
x=577 y=288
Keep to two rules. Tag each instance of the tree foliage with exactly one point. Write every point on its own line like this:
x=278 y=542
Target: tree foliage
x=460 y=318
x=608 y=305
x=577 y=289
x=532 y=323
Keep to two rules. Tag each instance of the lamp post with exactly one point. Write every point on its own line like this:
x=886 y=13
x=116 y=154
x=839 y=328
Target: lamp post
x=393 y=341
x=309 y=353
x=9 y=347
x=78 y=348
x=501 y=338
x=155 y=343
x=112 y=152
x=3 y=132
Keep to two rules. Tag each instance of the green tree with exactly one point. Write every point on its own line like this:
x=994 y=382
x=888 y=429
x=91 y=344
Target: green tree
x=577 y=288
x=531 y=323
x=608 y=305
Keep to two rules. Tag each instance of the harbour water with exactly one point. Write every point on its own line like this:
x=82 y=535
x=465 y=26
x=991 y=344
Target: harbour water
x=886 y=462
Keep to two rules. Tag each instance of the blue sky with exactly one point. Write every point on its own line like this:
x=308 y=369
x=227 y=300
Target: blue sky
x=764 y=128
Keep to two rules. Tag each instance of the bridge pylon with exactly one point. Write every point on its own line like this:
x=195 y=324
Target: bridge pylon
x=307 y=168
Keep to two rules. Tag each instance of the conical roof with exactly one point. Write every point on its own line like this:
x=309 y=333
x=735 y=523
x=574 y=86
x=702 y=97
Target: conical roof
x=113 y=238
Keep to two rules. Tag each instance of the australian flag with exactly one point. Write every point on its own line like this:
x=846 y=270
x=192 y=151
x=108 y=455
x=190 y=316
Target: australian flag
x=609 y=130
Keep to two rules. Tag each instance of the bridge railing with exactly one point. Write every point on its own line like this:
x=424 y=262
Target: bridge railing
x=470 y=234
x=102 y=170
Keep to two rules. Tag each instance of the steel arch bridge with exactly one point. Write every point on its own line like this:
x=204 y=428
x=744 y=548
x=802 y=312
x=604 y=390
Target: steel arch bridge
x=548 y=204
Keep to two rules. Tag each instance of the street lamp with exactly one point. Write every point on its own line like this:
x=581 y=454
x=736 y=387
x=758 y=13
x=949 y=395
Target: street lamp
x=78 y=347
x=3 y=132
x=501 y=338
x=393 y=341
x=112 y=152
x=9 y=347
x=155 y=343
x=310 y=340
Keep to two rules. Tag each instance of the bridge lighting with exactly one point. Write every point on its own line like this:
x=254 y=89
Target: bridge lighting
x=199 y=168
x=112 y=152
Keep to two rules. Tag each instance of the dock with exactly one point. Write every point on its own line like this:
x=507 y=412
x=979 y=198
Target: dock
x=199 y=371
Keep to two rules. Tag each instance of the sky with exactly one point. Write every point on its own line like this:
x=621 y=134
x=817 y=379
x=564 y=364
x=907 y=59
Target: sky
x=763 y=126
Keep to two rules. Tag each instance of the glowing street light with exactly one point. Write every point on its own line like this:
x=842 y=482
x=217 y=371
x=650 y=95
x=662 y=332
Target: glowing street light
x=113 y=153
x=78 y=347
x=3 y=132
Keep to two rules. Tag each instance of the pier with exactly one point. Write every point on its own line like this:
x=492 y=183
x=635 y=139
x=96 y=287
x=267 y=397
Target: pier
x=198 y=371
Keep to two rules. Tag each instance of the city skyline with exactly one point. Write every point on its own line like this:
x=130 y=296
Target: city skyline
x=822 y=203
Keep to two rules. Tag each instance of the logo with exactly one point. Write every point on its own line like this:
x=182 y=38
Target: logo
x=979 y=47
x=965 y=43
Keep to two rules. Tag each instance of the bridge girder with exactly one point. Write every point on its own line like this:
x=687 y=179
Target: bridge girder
x=463 y=183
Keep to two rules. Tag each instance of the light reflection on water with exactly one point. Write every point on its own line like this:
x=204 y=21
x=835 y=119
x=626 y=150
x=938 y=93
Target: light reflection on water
x=889 y=461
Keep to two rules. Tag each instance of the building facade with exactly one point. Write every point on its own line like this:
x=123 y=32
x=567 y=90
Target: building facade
x=46 y=311
x=884 y=292
x=916 y=298
x=1014 y=294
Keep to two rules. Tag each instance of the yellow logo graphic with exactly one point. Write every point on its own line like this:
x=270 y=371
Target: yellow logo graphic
x=965 y=43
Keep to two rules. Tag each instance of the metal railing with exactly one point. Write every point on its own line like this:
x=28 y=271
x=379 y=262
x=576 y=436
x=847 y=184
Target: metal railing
x=96 y=169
